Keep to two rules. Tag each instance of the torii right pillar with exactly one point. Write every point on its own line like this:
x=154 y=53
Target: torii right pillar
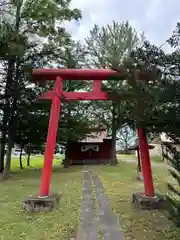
x=148 y=199
x=146 y=163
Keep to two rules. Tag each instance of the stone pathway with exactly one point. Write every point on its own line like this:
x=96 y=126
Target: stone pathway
x=88 y=223
x=106 y=218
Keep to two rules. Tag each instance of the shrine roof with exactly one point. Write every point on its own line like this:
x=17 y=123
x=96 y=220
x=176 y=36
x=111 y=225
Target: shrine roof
x=96 y=136
x=44 y=74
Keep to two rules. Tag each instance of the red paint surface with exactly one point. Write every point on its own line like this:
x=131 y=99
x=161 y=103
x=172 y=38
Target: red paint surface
x=97 y=86
x=146 y=164
x=51 y=139
x=99 y=95
x=76 y=156
x=83 y=74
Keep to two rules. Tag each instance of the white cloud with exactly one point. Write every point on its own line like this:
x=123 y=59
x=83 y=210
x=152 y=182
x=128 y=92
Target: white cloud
x=157 y=18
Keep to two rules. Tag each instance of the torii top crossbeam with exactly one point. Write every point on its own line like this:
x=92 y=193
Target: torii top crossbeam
x=84 y=74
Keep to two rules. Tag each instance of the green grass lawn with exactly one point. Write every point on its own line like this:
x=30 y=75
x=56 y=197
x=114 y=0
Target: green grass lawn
x=156 y=159
x=62 y=224
x=119 y=156
x=35 y=162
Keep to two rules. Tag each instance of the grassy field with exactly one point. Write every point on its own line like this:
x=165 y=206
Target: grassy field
x=35 y=162
x=157 y=159
x=61 y=224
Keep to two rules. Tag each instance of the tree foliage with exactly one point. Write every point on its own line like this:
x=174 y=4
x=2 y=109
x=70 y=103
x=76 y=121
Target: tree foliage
x=108 y=47
x=172 y=128
x=29 y=30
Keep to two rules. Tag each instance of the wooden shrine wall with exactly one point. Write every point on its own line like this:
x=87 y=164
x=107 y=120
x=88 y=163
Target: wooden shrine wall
x=90 y=153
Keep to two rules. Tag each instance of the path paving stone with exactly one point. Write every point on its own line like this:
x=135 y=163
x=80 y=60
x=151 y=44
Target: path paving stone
x=109 y=221
x=88 y=229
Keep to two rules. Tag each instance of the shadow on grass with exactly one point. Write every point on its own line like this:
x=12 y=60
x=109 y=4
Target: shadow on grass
x=36 y=172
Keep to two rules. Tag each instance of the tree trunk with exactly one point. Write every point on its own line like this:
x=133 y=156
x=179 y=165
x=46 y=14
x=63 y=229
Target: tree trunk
x=8 y=158
x=11 y=134
x=162 y=151
x=139 y=161
x=114 y=160
x=28 y=159
x=20 y=159
x=66 y=160
x=126 y=149
x=139 y=169
x=8 y=91
x=29 y=155
x=114 y=131
x=6 y=111
x=2 y=150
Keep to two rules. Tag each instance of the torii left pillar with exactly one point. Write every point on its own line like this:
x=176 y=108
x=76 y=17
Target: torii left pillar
x=45 y=201
x=51 y=138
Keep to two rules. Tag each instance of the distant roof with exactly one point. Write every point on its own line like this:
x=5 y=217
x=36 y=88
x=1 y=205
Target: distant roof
x=162 y=138
x=97 y=129
x=156 y=140
x=97 y=135
x=136 y=147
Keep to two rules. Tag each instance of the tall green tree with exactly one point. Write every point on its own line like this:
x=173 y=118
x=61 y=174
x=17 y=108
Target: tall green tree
x=172 y=128
x=164 y=112
x=33 y=117
x=108 y=47
x=25 y=25
x=158 y=96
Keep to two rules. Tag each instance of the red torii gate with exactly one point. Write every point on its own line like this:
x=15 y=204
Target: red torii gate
x=58 y=75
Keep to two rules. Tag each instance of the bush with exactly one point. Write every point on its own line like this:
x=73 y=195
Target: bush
x=173 y=197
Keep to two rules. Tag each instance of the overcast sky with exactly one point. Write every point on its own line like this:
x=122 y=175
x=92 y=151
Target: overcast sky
x=157 y=18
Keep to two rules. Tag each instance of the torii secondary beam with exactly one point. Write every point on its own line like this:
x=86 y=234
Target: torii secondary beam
x=83 y=96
